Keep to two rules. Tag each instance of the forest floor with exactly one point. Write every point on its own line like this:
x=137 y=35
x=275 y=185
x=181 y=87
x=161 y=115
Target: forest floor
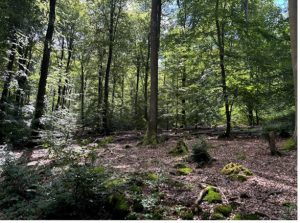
x=271 y=193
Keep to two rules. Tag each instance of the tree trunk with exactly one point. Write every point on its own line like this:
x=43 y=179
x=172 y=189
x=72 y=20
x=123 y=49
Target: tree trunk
x=137 y=89
x=40 y=100
x=108 y=66
x=146 y=81
x=66 y=87
x=9 y=70
x=220 y=35
x=82 y=94
x=272 y=144
x=183 y=98
x=59 y=96
x=151 y=135
x=293 y=28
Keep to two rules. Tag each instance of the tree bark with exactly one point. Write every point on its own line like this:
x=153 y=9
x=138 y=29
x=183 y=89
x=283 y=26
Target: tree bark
x=59 y=96
x=108 y=66
x=151 y=135
x=9 y=69
x=82 y=94
x=221 y=46
x=293 y=30
x=40 y=100
x=146 y=81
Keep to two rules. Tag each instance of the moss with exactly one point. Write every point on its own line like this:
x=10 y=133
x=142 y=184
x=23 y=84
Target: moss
x=236 y=171
x=184 y=170
x=289 y=145
x=212 y=196
x=152 y=176
x=118 y=205
x=241 y=216
x=180 y=149
x=150 y=139
x=223 y=209
x=217 y=216
x=98 y=169
x=115 y=182
x=186 y=215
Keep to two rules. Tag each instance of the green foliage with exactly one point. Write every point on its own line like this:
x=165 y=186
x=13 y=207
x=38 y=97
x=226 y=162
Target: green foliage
x=289 y=144
x=217 y=216
x=236 y=171
x=180 y=149
x=212 y=195
x=182 y=169
x=223 y=209
x=200 y=152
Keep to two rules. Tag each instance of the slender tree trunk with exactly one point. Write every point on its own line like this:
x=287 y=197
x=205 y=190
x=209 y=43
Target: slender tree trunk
x=183 y=98
x=9 y=70
x=293 y=25
x=108 y=66
x=220 y=35
x=137 y=89
x=82 y=94
x=151 y=135
x=59 y=96
x=100 y=85
x=66 y=85
x=21 y=77
x=146 y=81
x=40 y=100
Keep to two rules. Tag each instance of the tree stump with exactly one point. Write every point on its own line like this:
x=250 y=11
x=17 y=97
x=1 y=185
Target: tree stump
x=272 y=144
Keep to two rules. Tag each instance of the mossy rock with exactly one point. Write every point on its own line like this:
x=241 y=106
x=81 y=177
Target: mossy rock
x=289 y=145
x=184 y=171
x=212 y=195
x=223 y=209
x=152 y=176
x=118 y=205
x=242 y=216
x=180 y=149
x=236 y=172
x=217 y=216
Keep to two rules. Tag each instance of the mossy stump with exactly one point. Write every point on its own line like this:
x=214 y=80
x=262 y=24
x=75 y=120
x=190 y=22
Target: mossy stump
x=236 y=171
x=182 y=169
x=212 y=196
x=180 y=149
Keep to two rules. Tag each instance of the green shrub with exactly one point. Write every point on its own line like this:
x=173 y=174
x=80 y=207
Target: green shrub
x=200 y=154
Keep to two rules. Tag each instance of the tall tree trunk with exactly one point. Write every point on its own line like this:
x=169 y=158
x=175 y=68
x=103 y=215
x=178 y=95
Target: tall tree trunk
x=40 y=100
x=183 y=98
x=66 y=87
x=221 y=46
x=100 y=85
x=9 y=70
x=82 y=94
x=108 y=66
x=146 y=81
x=151 y=135
x=59 y=96
x=21 y=77
x=138 y=65
x=293 y=25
